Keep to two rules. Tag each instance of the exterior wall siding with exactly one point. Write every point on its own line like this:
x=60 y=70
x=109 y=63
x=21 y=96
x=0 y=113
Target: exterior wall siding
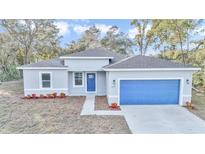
x=113 y=90
x=32 y=82
x=101 y=83
x=86 y=64
x=62 y=81
x=75 y=91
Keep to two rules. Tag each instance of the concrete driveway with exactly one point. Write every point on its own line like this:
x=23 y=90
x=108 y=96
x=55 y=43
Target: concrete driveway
x=162 y=119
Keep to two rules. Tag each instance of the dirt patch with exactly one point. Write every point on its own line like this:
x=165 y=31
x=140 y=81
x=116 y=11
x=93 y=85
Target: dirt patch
x=101 y=103
x=50 y=115
x=198 y=101
x=15 y=88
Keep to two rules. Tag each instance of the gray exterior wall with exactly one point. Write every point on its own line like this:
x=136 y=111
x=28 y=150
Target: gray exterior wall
x=76 y=91
x=32 y=82
x=62 y=81
x=86 y=64
x=101 y=83
x=113 y=90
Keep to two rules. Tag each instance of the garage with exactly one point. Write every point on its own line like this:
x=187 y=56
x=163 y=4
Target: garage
x=149 y=92
x=145 y=80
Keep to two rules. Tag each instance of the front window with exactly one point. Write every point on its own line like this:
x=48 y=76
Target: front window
x=46 y=80
x=78 y=79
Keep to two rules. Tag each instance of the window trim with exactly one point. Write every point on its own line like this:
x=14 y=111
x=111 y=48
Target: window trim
x=41 y=80
x=74 y=85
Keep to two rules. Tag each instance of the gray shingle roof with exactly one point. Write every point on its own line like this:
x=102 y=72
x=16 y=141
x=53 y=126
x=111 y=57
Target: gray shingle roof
x=146 y=62
x=98 y=52
x=47 y=63
x=118 y=61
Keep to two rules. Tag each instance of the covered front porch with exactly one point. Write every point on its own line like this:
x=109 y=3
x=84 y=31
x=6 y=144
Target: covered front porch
x=81 y=83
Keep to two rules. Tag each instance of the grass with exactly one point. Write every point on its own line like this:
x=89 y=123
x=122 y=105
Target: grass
x=51 y=116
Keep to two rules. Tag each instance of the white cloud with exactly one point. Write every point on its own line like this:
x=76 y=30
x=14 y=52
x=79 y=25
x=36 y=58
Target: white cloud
x=192 y=45
x=63 y=27
x=103 y=28
x=23 y=23
x=132 y=32
x=200 y=30
x=80 y=29
x=148 y=28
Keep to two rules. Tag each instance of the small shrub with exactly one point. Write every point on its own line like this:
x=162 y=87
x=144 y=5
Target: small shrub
x=62 y=95
x=34 y=95
x=54 y=95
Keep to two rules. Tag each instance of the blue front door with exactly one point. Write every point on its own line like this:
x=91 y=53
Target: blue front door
x=91 y=82
x=149 y=92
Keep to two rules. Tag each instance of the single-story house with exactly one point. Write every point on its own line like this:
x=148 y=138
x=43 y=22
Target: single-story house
x=124 y=80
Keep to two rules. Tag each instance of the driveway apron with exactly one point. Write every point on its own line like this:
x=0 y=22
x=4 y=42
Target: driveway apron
x=162 y=119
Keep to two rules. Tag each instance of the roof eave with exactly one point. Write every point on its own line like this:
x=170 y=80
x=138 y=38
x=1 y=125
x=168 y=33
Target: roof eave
x=65 y=57
x=152 y=69
x=39 y=68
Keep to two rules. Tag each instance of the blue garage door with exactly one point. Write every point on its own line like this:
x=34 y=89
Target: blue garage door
x=149 y=92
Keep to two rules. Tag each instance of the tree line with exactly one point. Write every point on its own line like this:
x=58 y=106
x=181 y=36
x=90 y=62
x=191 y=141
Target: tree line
x=27 y=41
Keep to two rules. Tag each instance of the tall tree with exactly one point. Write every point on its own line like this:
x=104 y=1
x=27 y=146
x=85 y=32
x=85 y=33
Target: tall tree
x=7 y=52
x=8 y=59
x=90 y=39
x=146 y=30
x=73 y=46
x=32 y=34
x=175 y=35
x=117 y=41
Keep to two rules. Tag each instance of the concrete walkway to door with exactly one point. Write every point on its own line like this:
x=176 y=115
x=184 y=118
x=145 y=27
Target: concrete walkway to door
x=89 y=108
x=162 y=119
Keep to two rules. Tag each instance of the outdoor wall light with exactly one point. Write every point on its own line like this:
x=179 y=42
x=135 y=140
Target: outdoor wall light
x=187 y=81
x=113 y=83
